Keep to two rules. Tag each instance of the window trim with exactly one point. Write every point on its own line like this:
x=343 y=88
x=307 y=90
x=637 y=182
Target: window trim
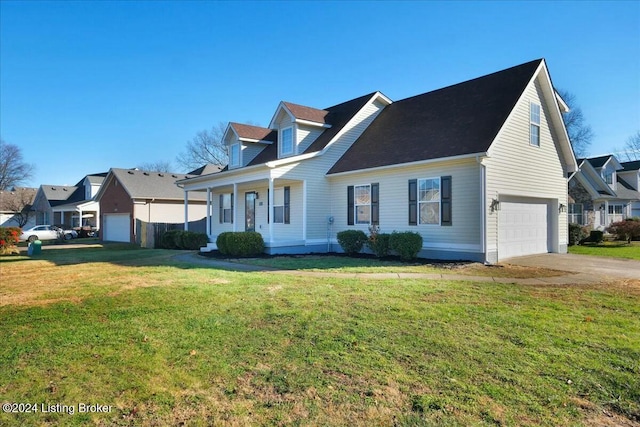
x=355 y=205
x=275 y=205
x=613 y=206
x=533 y=124
x=223 y=209
x=281 y=145
x=238 y=161
x=439 y=202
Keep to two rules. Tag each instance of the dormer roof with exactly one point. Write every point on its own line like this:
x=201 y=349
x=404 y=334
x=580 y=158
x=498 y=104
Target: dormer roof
x=337 y=116
x=631 y=166
x=302 y=115
x=249 y=133
x=601 y=161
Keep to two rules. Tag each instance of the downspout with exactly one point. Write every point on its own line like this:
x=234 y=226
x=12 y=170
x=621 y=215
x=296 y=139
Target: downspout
x=483 y=207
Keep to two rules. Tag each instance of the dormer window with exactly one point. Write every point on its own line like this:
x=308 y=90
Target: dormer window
x=234 y=155
x=286 y=141
x=608 y=177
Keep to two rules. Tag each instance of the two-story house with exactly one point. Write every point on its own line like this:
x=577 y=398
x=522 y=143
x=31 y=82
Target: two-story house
x=602 y=192
x=479 y=169
x=71 y=206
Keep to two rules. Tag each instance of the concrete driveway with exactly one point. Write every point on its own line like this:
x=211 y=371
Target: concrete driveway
x=605 y=267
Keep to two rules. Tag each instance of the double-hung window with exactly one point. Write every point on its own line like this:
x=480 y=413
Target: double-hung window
x=429 y=200
x=534 y=126
x=286 y=141
x=362 y=201
x=234 y=155
x=226 y=208
x=278 y=206
x=363 y=204
x=281 y=206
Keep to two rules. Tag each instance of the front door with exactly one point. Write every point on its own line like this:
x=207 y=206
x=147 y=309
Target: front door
x=250 y=211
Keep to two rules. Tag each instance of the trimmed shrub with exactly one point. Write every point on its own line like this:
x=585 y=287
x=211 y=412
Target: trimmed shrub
x=351 y=241
x=628 y=229
x=9 y=237
x=407 y=244
x=180 y=239
x=193 y=241
x=576 y=234
x=378 y=242
x=596 y=236
x=168 y=239
x=240 y=244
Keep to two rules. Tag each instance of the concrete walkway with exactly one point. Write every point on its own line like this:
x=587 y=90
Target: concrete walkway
x=572 y=277
x=603 y=267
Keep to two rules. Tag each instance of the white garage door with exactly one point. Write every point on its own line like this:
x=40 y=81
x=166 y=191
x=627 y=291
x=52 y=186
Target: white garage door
x=523 y=229
x=116 y=228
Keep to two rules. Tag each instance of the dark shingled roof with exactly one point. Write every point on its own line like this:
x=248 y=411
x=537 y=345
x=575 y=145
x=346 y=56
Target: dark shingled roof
x=337 y=116
x=631 y=166
x=456 y=120
x=598 y=162
x=205 y=170
x=254 y=132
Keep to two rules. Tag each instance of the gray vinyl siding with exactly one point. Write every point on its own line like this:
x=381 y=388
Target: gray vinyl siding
x=305 y=135
x=516 y=168
x=250 y=150
x=465 y=232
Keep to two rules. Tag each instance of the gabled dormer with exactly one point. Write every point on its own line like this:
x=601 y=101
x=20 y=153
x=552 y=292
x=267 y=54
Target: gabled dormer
x=631 y=173
x=91 y=184
x=607 y=166
x=245 y=142
x=297 y=127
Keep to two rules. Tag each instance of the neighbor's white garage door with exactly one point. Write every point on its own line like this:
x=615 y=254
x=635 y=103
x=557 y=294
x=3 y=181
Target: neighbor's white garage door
x=523 y=229
x=116 y=228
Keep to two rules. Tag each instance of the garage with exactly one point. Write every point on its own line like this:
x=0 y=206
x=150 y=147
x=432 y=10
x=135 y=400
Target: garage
x=523 y=228
x=116 y=228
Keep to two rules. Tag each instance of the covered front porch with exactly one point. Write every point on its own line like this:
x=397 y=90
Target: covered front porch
x=76 y=215
x=275 y=207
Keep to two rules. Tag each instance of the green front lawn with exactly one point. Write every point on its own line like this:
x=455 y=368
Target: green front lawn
x=609 y=249
x=165 y=343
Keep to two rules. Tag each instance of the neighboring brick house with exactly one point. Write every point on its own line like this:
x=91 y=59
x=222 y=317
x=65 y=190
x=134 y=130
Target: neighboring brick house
x=128 y=195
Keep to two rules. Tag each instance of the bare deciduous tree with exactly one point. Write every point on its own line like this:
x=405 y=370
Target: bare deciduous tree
x=205 y=148
x=580 y=133
x=13 y=169
x=159 y=166
x=632 y=147
x=19 y=201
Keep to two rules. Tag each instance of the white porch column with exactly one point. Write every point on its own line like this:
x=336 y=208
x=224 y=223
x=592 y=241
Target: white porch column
x=80 y=218
x=208 y=217
x=186 y=210
x=270 y=210
x=606 y=214
x=235 y=206
x=304 y=211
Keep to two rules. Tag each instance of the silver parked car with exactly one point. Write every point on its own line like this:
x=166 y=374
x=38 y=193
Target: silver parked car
x=47 y=232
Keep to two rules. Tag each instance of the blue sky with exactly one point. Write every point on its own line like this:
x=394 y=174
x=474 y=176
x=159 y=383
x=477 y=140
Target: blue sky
x=85 y=86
